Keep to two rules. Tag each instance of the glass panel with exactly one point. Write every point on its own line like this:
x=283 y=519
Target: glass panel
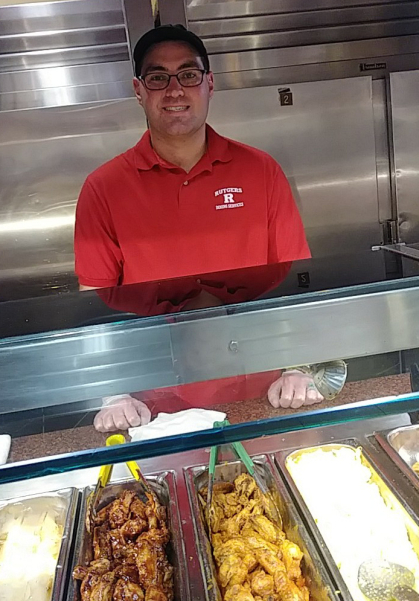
x=78 y=367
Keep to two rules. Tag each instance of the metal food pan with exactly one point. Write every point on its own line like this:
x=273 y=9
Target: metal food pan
x=64 y=502
x=164 y=487
x=388 y=493
x=405 y=441
x=319 y=582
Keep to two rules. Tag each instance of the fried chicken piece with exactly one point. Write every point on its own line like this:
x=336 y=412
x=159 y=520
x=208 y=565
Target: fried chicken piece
x=99 y=566
x=90 y=576
x=255 y=542
x=287 y=590
x=292 y=556
x=216 y=517
x=128 y=591
x=232 y=504
x=127 y=572
x=86 y=587
x=262 y=584
x=267 y=529
x=218 y=487
x=102 y=516
x=238 y=592
x=101 y=543
x=120 y=547
x=269 y=561
x=133 y=528
x=157 y=536
x=150 y=558
x=156 y=593
x=232 y=526
x=103 y=590
x=155 y=512
x=119 y=510
x=137 y=509
x=234 y=546
x=232 y=571
x=245 y=486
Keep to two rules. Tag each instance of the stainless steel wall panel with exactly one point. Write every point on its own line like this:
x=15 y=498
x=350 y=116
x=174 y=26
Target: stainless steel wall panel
x=50 y=40
x=210 y=9
x=139 y=18
x=64 y=96
x=309 y=36
x=326 y=145
x=315 y=54
x=34 y=16
x=53 y=78
x=405 y=117
x=259 y=34
x=62 y=57
x=44 y=157
x=62 y=33
x=280 y=21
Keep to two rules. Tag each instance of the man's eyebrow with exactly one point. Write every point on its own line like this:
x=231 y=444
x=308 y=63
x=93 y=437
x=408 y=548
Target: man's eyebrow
x=151 y=68
x=191 y=64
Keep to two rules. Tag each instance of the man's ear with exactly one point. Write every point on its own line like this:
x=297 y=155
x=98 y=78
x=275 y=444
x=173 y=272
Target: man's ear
x=210 y=77
x=137 y=89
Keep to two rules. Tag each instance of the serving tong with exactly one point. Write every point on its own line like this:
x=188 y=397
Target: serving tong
x=104 y=477
x=241 y=453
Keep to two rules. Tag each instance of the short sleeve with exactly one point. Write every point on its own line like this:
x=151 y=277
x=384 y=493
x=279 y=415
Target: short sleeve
x=98 y=257
x=287 y=240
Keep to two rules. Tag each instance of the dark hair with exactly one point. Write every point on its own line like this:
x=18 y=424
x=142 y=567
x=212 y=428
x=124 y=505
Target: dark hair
x=166 y=33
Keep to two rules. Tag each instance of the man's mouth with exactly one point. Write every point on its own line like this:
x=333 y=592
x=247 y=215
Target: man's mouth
x=176 y=109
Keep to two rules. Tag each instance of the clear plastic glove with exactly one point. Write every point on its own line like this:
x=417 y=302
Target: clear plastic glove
x=120 y=413
x=293 y=390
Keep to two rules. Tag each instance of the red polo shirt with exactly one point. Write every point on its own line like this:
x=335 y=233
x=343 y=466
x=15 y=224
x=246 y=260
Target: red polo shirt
x=142 y=219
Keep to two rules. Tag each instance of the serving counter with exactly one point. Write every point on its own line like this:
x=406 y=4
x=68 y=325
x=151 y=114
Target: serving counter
x=53 y=381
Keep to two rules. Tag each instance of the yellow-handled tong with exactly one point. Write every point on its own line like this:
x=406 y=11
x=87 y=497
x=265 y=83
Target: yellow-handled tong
x=104 y=477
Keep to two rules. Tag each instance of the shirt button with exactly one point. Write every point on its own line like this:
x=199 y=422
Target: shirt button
x=185 y=183
x=198 y=281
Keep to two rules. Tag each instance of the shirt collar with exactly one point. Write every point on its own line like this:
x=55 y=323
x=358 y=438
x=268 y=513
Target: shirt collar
x=217 y=150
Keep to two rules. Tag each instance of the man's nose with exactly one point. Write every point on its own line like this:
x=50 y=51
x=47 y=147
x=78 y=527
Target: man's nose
x=174 y=88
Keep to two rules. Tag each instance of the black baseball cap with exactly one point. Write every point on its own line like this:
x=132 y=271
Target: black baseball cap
x=168 y=33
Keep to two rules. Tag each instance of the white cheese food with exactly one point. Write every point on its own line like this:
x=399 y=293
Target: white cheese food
x=351 y=514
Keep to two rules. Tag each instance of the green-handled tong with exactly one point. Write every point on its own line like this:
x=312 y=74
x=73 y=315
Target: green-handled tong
x=241 y=453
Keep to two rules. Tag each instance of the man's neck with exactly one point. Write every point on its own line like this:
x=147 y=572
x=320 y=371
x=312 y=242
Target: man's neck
x=183 y=151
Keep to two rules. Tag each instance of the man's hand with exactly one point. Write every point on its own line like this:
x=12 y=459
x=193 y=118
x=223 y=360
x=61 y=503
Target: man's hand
x=125 y=412
x=293 y=390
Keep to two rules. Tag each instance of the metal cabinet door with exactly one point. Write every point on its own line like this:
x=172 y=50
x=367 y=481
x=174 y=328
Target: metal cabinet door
x=405 y=115
x=325 y=143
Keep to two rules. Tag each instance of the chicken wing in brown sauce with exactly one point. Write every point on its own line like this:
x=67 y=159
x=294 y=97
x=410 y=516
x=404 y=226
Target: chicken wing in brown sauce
x=128 y=547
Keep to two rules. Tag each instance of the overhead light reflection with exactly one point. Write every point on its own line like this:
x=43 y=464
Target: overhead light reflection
x=38 y=223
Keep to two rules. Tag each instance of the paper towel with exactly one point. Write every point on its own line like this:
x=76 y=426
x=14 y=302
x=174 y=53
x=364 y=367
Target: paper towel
x=169 y=424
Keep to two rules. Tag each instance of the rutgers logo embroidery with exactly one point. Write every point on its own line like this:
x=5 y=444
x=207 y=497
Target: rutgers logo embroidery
x=229 y=198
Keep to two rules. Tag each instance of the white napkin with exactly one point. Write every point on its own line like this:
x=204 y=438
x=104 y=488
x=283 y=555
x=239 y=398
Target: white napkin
x=168 y=424
x=5 y=442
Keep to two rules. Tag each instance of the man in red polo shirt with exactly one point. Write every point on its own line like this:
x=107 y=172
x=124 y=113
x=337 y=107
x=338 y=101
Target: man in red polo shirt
x=184 y=201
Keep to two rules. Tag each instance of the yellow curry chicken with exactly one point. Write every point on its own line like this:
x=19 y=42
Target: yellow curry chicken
x=255 y=561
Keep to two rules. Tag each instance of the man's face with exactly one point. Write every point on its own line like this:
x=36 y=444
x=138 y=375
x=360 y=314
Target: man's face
x=176 y=110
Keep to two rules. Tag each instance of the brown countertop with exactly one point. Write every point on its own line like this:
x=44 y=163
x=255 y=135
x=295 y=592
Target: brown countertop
x=86 y=437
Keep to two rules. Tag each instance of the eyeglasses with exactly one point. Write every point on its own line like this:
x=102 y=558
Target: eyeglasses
x=189 y=78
